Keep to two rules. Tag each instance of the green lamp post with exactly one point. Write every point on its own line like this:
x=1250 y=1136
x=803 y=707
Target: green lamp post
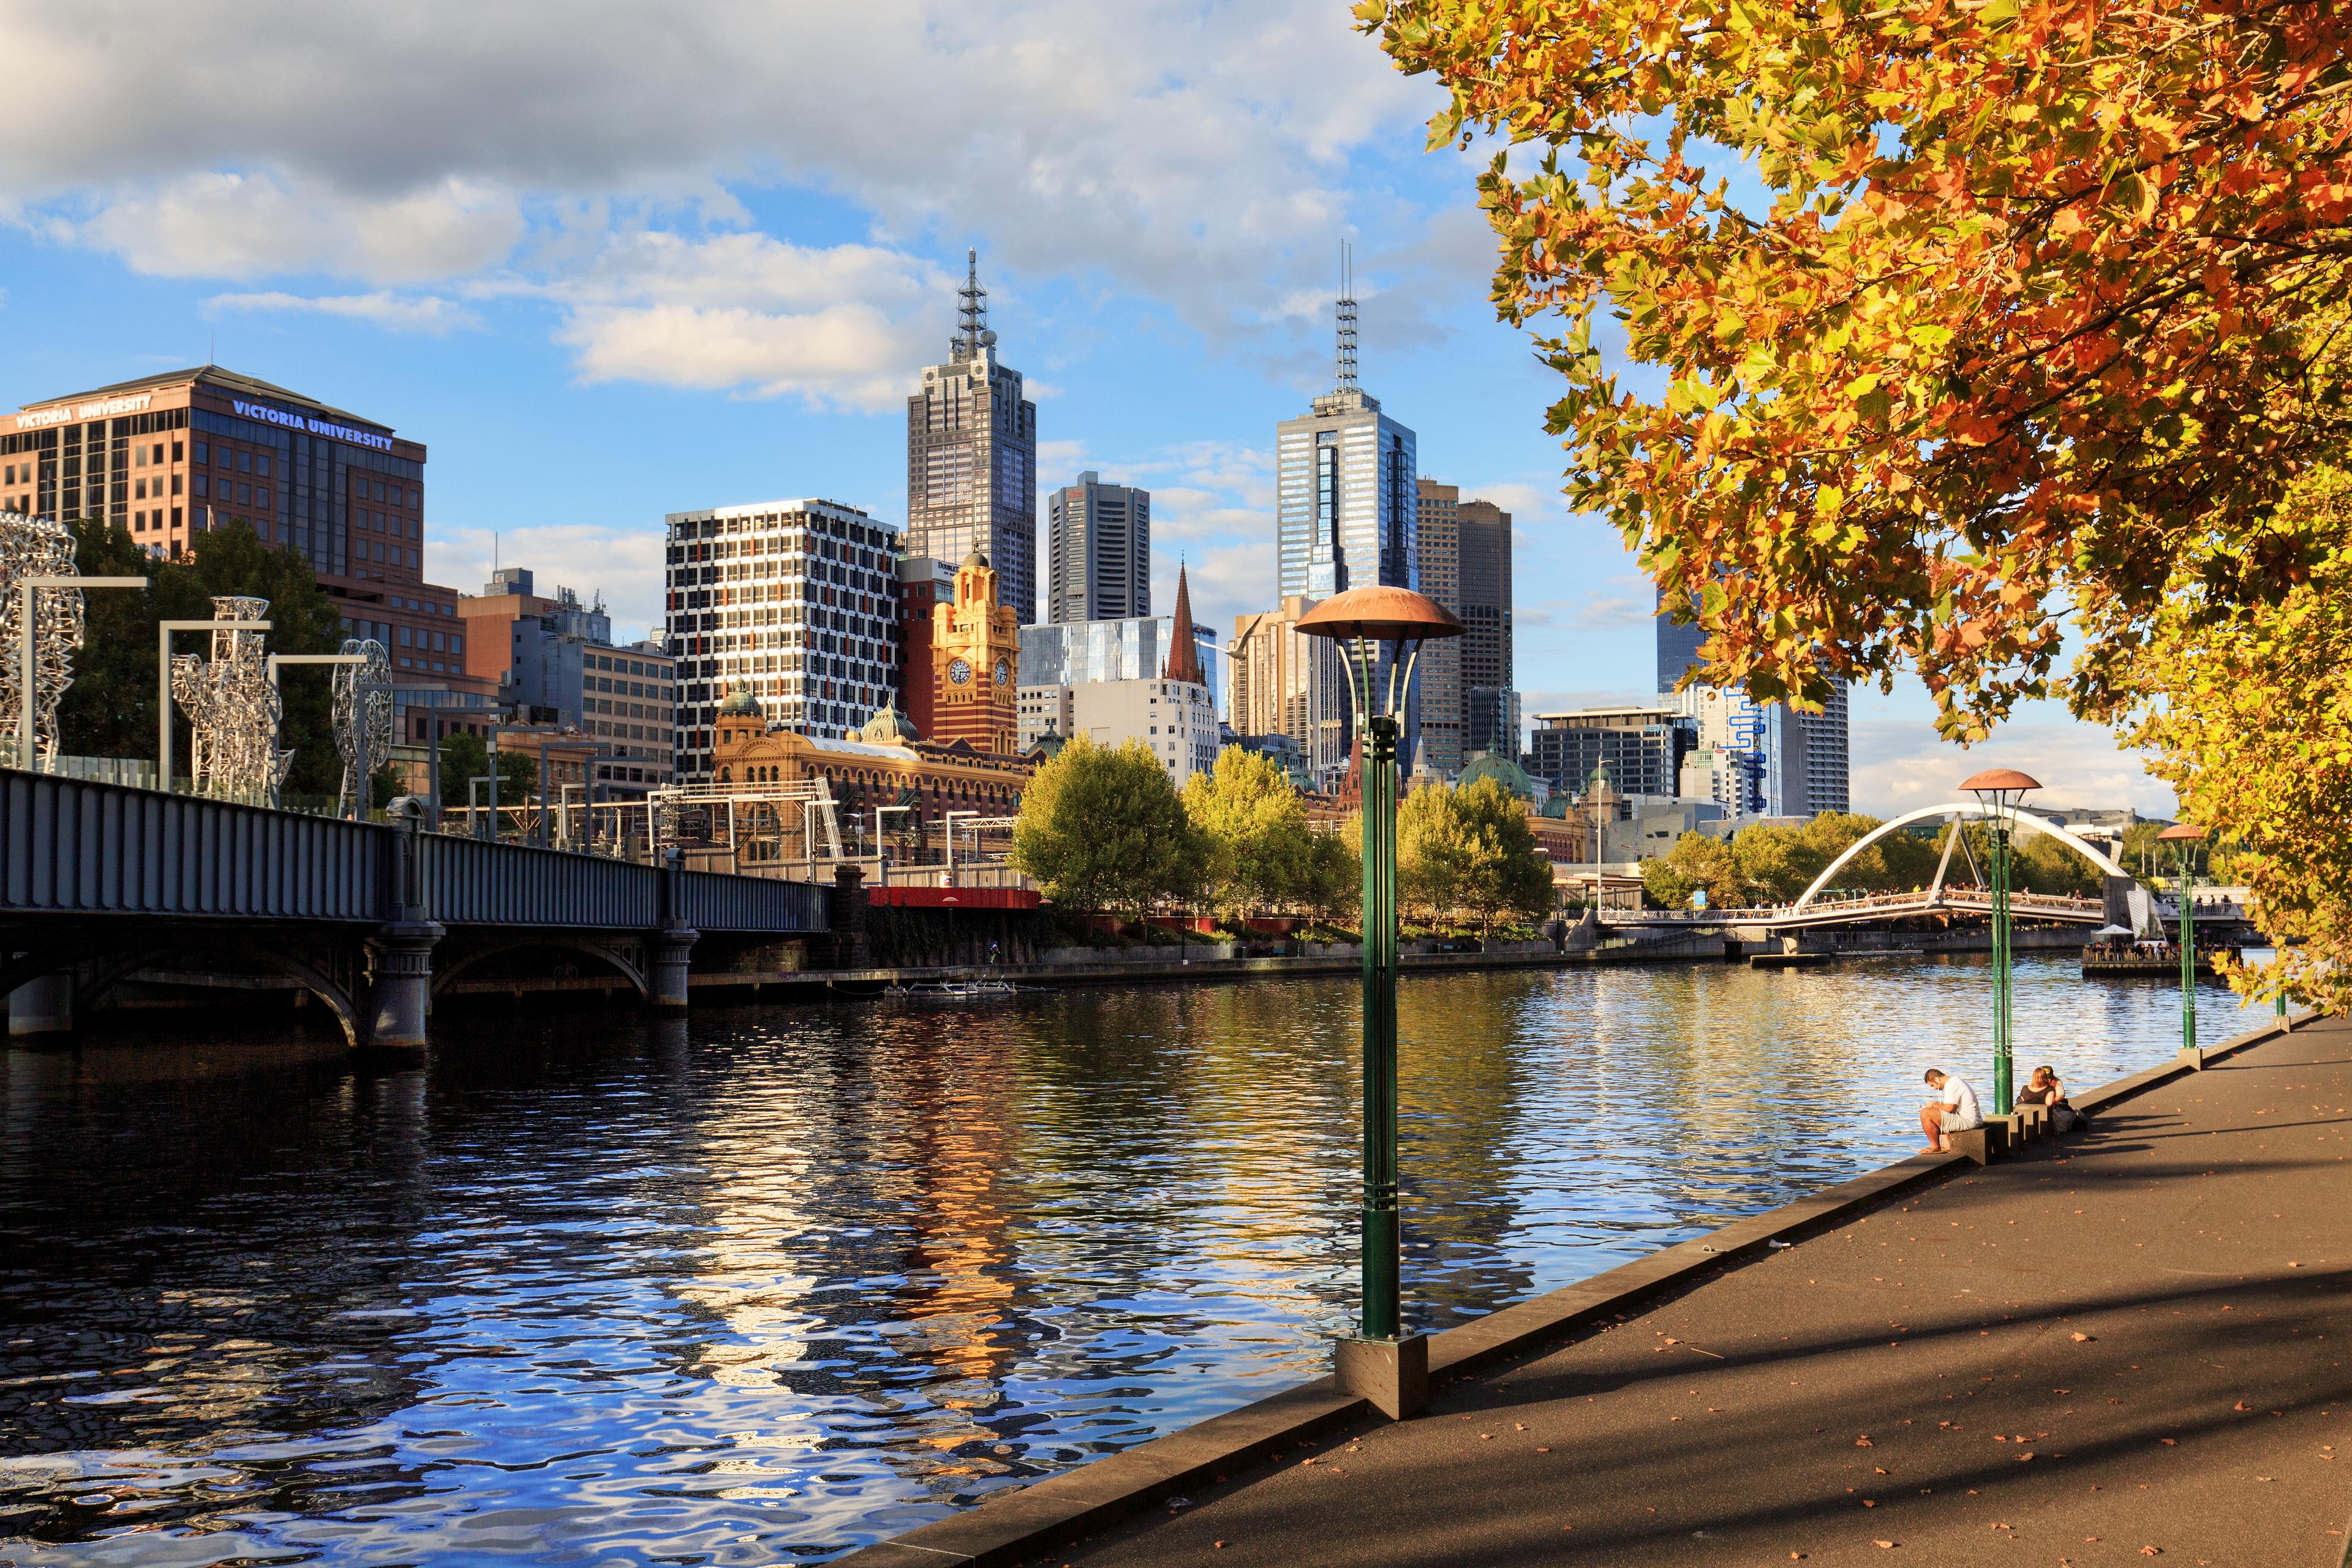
x=1997 y=792
x=1380 y=631
x=2184 y=840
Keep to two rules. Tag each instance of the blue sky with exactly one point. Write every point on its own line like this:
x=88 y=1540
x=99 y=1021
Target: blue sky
x=611 y=259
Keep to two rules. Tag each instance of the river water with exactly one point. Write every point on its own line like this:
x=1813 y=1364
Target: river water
x=766 y=1284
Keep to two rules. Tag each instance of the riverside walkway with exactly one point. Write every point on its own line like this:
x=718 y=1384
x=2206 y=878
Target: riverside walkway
x=2115 y=1348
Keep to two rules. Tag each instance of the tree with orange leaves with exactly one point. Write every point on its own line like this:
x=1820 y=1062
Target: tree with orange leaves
x=1947 y=318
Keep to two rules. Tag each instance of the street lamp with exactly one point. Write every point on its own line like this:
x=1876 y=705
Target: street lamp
x=27 y=695
x=2185 y=839
x=1380 y=1361
x=1997 y=792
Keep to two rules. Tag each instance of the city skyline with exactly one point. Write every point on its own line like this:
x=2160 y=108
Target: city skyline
x=594 y=321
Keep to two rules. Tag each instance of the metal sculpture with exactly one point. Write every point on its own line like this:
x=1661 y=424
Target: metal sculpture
x=364 y=741
x=233 y=710
x=36 y=547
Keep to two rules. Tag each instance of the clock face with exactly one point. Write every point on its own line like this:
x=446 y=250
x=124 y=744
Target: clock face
x=959 y=671
x=1004 y=672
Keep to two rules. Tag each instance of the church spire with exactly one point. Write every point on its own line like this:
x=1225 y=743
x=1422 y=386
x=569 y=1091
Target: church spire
x=1183 y=649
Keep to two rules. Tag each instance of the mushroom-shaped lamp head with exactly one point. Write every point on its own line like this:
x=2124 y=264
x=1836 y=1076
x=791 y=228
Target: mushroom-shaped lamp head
x=1380 y=613
x=2000 y=789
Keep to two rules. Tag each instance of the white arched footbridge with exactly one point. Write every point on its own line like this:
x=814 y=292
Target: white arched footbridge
x=1939 y=897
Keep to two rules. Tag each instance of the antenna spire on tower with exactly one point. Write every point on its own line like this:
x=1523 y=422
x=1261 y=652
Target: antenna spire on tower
x=974 y=312
x=1347 y=357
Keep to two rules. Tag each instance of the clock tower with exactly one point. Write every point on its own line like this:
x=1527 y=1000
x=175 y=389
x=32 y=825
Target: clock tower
x=976 y=664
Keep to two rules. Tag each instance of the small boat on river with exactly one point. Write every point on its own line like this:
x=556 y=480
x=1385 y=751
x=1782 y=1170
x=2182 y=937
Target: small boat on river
x=954 y=991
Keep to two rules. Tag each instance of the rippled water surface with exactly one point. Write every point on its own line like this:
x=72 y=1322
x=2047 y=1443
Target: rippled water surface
x=770 y=1283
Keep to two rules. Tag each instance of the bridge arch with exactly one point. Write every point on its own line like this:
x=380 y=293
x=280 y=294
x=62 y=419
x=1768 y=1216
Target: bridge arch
x=604 y=953
x=111 y=963
x=2027 y=823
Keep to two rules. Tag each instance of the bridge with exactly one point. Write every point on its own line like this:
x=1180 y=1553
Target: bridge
x=2123 y=902
x=100 y=884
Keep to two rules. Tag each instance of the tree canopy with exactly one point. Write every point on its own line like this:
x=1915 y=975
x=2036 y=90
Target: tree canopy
x=1103 y=828
x=1468 y=853
x=110 y=710
x=1260 y=854
x=2249 y=715
x=1945 y=320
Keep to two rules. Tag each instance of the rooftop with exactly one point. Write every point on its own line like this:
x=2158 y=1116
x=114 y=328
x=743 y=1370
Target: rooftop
x=227 y=381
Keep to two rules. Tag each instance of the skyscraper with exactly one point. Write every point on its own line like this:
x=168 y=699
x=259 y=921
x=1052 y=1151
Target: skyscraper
x=1677 y=646
x=1098 y=552
x=1346 y=497
x=1490 y=699
x=972 y=458
x=1345 y=489
x=1792 y=764
x=1437 y=531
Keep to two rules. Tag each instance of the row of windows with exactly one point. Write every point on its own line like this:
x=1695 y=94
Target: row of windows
x=626 y=667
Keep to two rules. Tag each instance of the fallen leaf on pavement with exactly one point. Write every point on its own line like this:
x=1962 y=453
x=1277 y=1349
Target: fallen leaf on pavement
x=2081 y=1339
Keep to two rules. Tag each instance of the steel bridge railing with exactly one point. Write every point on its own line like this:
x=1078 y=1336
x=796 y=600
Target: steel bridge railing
x=73 y=845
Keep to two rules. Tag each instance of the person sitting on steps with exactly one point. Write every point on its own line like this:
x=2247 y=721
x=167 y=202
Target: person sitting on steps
x=2043 y=1088
x=1954 y=1109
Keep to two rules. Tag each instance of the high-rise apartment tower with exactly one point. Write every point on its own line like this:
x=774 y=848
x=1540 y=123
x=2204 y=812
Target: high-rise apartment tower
x=972 y=458
x=1098 y=552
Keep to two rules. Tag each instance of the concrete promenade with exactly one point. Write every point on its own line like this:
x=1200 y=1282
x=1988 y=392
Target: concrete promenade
x=2115 y=1348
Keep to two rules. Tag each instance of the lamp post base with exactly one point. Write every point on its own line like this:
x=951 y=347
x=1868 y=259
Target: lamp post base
x=1393 y=1374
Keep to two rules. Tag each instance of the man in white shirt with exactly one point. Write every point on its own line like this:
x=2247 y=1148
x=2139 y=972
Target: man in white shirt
x=1954 y=1109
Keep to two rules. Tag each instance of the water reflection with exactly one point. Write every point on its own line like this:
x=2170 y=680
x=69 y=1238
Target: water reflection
x=767 y=1284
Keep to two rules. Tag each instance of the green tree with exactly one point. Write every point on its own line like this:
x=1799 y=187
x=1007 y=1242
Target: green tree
x=1696 y=862
x=1260 y=854
x=465 y=756
x=1468 y=853
x=110 y=710
x=1334 y=877
x=1104 y=830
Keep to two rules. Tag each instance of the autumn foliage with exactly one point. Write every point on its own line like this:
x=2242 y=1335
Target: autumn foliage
x=1945 y=320
x=2250 y=720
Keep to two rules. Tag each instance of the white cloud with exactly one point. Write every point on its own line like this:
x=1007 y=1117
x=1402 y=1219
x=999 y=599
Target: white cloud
x=225 y=225
x=401 y=313
x=1175 y=147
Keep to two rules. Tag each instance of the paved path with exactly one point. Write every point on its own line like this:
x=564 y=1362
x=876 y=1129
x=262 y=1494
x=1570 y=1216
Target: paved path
x=2135 y=1339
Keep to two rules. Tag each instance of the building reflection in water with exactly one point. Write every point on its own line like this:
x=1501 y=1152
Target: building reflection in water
x=758 y=1284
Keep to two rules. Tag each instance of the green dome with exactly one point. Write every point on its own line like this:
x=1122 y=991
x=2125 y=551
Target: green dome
x=888 y=727
x=1049 y=744
x=1502 y=770
x=739 y=703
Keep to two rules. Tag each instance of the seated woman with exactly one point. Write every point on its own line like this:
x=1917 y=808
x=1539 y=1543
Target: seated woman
x=2043 y=1088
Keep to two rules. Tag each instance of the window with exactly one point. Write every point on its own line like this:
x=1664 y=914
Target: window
x=261 y=464
x=244 y=462
x=159 y=453
x=204 y=451
x=405 y=641
x=179 y=451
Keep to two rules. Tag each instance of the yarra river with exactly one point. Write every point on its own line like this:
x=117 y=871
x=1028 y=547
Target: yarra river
x=761 y=1286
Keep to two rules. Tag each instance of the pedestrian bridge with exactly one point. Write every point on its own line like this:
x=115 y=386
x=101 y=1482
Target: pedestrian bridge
x=1821 y=905
x=99 y=882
